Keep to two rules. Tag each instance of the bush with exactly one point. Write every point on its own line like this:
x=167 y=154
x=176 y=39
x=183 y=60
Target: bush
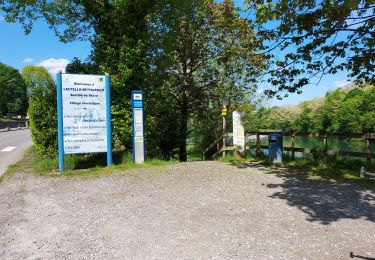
x=122 y=124
x=43 y=123
x=42 y=110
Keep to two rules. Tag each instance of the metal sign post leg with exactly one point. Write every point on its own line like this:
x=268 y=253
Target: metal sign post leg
x=60 y=136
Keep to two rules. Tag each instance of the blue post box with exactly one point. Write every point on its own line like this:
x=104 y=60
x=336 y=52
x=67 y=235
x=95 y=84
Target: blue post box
x=275 y=148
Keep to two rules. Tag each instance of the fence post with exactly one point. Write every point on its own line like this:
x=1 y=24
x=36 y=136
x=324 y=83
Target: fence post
x=257 y=153
x=293 y=144
x=325 y=143
x=224 y=135
x=368 y=150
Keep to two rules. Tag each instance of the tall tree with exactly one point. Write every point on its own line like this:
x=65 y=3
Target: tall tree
x=13 y=97
x=207 y=55
x=37 y=79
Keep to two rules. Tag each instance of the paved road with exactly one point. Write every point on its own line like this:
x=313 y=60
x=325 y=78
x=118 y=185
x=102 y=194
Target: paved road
x=13 y=145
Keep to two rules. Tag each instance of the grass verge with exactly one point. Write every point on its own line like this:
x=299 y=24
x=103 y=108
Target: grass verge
x=11 y=170
x=19 y=166
x=10 y=120
x=88 y=165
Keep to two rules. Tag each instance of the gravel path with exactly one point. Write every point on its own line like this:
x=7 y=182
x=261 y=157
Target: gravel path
x=197 y=210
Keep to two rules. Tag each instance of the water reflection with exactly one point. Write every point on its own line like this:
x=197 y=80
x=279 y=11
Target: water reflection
x=333 y=143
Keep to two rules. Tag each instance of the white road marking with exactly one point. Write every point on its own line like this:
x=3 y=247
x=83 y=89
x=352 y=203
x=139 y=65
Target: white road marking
x=8 y=149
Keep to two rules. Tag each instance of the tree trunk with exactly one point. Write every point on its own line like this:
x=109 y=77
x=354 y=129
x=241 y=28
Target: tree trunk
x=183 y=128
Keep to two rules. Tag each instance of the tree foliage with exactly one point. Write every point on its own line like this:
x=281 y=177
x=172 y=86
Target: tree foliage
x=303 y=40
x=341 y=111
x=13 y=97
x=204 y=56
x=191 y=57
x=306 y=39
x=77 y=66
x=36 y=79
x=42 y=109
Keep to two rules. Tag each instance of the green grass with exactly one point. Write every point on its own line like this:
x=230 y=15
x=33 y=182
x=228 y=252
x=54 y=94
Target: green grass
x=193 y=154
x=326 y=168
x=333 y=168
x=17 y=167
x=11 y=170
x=230 y=159
x=11 y=119
x=90 y=165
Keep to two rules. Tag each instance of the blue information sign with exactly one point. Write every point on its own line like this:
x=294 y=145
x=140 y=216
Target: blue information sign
x=84 y=115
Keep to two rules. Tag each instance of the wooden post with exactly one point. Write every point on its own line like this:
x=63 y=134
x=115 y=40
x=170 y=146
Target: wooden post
x=257 y=152
x=368 y=150
x=293 y=145
x=224 y=134
x=325 y=143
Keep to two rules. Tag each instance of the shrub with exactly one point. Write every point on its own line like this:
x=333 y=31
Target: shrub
x=42 y=110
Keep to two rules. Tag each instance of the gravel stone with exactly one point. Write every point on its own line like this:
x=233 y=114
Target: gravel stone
x=195 y=210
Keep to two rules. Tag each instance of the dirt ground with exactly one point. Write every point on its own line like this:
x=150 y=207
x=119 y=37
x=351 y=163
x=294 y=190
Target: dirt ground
x=197 y=210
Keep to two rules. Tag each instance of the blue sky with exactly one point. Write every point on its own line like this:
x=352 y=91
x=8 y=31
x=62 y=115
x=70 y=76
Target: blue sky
x=41 y=47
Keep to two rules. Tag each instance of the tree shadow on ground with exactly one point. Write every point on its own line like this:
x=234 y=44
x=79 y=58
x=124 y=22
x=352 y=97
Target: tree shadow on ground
x=323 y=201
x=88 y=161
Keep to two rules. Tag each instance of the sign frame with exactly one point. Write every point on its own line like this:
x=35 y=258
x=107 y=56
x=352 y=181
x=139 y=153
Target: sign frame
x=137 y=102
x=60 y=126
x=239 y=138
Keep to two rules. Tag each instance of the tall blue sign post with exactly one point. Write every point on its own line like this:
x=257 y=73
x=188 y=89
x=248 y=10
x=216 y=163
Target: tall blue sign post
x=84 y=115
x=138 y=127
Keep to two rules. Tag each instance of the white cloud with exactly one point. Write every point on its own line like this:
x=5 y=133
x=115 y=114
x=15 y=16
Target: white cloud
x=28 y=60
x=341 y=83
x=54 y=65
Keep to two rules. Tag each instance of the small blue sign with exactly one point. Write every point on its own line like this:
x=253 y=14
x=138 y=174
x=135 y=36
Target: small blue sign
x=137 y=104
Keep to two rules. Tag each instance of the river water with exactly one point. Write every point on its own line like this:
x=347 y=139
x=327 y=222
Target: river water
x=334 y=143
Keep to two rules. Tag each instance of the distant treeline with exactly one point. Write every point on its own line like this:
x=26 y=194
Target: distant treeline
x=340 y=111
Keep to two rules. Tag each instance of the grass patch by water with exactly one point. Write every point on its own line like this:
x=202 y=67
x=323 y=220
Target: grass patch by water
x=326 y=168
